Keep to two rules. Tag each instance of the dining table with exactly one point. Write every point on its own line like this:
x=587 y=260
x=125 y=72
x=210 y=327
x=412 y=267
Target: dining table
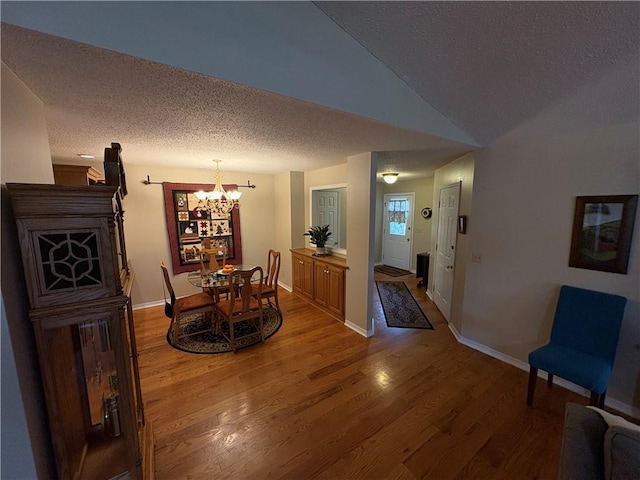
x=215 y=280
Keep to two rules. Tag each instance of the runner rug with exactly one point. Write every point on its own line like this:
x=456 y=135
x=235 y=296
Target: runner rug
x=399 y=306
x=205 y=341
x=391 y=271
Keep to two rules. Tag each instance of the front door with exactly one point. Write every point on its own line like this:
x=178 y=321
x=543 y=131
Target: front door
x=398 y=234
x=446 y=248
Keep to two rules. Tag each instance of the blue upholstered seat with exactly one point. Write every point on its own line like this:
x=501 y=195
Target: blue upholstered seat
x=584 y=338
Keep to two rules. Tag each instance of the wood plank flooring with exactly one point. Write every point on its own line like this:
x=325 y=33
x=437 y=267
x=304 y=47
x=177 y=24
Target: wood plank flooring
x=317 y=400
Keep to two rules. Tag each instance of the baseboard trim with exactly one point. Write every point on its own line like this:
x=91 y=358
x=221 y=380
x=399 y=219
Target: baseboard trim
x=140 y=306
x=358 y=329
x=609 y=402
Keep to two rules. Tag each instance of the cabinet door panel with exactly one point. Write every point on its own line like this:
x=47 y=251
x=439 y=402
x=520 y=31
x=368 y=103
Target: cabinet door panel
x=307 y=279
x=335 y=290
x=321 y=292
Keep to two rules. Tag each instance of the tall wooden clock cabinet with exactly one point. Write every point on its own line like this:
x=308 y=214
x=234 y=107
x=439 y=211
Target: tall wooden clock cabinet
x=79 y=283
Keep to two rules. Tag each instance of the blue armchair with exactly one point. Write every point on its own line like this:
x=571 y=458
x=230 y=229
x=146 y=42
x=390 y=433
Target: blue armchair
x=583 y=342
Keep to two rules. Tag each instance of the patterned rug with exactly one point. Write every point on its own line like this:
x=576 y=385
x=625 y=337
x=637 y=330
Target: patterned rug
x=399 y=306
x=391 y=271
x=209 y=342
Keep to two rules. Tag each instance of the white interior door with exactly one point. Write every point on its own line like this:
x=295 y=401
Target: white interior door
x=446 y=248
x=325 y=212
x=398 y=230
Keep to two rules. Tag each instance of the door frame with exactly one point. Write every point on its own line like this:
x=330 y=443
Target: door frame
x=446 y=315
x=341 y=251
x=412 y=201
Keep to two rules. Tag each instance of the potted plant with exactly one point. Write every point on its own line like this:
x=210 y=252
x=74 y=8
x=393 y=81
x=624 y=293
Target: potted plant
x=319 y=236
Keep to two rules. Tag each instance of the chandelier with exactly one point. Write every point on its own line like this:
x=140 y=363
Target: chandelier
x=218 y=202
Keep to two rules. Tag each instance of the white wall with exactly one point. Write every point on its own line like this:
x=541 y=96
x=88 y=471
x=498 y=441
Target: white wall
x=26 y=447
x=523 y=205
x=361 y=191
x=289 y=218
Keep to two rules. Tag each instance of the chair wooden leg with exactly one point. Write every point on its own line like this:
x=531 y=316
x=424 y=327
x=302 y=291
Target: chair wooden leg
x=261 y=327
x=232 y=337
x=549 y=380
x=175 y=327
x=533 y=375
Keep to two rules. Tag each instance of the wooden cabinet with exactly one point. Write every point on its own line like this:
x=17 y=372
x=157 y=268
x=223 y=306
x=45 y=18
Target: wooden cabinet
x=76 y=175
x=321 y=280
x=329 y=287
x=72 y=247
x=303 y=275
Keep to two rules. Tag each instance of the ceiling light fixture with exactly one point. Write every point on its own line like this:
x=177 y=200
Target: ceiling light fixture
x=219 y=202
x=390 y=177
x=86 y=155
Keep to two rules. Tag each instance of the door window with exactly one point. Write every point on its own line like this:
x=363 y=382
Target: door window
x=398 y=214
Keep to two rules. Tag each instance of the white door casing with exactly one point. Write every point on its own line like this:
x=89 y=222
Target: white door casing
x=397 y=236
x=446 y=248
x=327 y=204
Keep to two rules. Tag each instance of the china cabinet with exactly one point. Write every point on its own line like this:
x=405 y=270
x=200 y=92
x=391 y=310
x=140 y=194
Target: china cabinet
x=320 y=280
x=78 y=284
x=76 y=175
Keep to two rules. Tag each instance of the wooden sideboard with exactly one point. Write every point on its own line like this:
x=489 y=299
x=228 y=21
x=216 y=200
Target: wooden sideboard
x=321 y=280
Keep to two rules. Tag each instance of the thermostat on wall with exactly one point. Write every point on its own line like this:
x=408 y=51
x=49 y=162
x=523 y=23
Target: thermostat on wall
x=426 y=212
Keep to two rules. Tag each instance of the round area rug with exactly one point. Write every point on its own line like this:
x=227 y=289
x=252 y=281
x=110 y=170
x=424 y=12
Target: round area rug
x=208 y=342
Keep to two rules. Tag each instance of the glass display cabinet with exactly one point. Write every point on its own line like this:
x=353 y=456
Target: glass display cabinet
x=72 y=247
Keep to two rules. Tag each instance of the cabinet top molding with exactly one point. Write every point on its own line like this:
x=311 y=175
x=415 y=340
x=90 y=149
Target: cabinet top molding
x=334 y=260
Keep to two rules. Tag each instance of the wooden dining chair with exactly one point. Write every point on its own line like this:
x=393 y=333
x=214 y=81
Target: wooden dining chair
x=269 y=288
x=180 y=307
x=243 y=304
x=212 y=258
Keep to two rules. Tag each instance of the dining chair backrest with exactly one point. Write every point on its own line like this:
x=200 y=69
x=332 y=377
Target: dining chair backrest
x=216 y=255
x=273 y=268
x=588 y=321
x=167 y=282
x=241 y=295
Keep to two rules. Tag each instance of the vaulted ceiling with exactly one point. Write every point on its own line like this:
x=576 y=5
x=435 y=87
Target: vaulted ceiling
x=276 y=86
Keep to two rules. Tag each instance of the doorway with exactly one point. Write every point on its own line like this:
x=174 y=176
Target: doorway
x=397 y=235
x=446 y=248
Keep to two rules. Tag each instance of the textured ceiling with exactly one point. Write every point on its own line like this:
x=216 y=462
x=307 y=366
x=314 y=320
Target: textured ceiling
x=486 y=66
x=490 y=66
x=167 y=116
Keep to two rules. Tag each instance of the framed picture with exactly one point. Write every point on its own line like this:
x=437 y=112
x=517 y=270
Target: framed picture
x=191 y=227
x=602 y=231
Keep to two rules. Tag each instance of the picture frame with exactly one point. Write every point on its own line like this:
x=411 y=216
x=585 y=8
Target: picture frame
x=602 y=232
x=190 y=228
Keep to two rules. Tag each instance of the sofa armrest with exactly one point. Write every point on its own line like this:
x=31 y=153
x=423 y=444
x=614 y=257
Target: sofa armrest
x=622 y=453
x=582 y=454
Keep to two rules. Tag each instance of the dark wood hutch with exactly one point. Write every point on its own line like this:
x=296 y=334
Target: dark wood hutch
x=79 y=283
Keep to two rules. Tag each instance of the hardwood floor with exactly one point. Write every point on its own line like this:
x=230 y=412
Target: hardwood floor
x=317 y=400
